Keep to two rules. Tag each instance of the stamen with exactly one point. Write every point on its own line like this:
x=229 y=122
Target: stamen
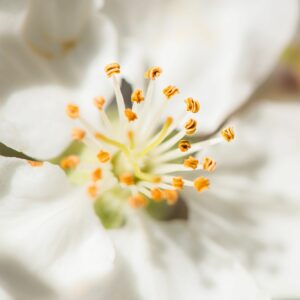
x=97 y=174
x=111 y=69
x=99 y=102
x=130 y=135
x=170 y=91
x=103 y=156
x=137 y=96
x=127 y=178
x=184 y=145
x=130 y=115
x=171 y=196
x=209 y=164
x=191 y=162
x=228 y=134
x=201 y=184
x=35 y=163
x=153 y=73
x=72 y=111
x=92 y=191
x=111 y=142
x=190 y=126
x=178 y=183
x=78 y=134
x=161 y=136
x=192 y=105
x=156 y=194
x=70 y=162
x=137 y=201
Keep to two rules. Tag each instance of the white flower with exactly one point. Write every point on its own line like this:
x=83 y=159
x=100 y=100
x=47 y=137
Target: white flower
x=65 y=230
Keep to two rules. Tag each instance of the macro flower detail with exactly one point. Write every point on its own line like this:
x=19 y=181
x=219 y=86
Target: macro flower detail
x=141 y=158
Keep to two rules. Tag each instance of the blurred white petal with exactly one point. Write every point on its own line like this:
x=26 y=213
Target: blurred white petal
x=72 y=74
x=158 y=260
x=61 y=238
x=219 y=51
x=253 y=207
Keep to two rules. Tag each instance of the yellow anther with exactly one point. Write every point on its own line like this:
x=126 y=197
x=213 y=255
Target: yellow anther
x=161 y=136
x=78 y=134
x=112 y=69
x=99 y=102
x=127 y=178
x=190 y=126
x=178 y=183
x=70 y=162
x=153 y=73
x=137 y=96
x=192 y=105
x=72 y=111
x=92 y=191
x=201 y=184
x=130 y=115
x=209 y=164
x=156 y=179
x=228 y=134
x=103 y=156
x=137 y=201
x=191 y=162
x=35 y=163
x=184 y=145
x=170 y=91
x=156 y=194
x=130 y=135
x=171 y=196
x=96 y=174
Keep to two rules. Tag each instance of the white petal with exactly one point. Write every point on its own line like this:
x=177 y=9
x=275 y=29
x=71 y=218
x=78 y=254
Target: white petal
x=71 y=76
x=34 y=121
x=213 y=50
x=17 y=283
x=157 y=260
x=50 y=226
x=253 y=206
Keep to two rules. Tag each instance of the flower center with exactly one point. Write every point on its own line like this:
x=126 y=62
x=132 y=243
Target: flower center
x=139 y=159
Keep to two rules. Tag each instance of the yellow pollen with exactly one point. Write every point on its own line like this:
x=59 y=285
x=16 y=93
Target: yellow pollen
x=228 y=134
x=161 y=136
x=170 y=91
x=127 y=178
x=156 y=194
x=137 y=96
x=70 y=162
x=103 y=156
x=96 y=174
x=184 y=145
x=72 y=111
x=112 y=69
x=92 y=191
x=178 y=183
x=209 y=164
x=171 y=196
x=192 y=105
x=35 y=163
x=130 y=115
x=201 y=184
x=99 y=102
x=78 y=134
x=137 y=201
x=190 y=126
x=153 y=73
x=191 y=162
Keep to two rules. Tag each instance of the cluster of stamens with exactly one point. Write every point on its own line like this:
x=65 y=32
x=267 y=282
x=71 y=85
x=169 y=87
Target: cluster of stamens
x=152 y=153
